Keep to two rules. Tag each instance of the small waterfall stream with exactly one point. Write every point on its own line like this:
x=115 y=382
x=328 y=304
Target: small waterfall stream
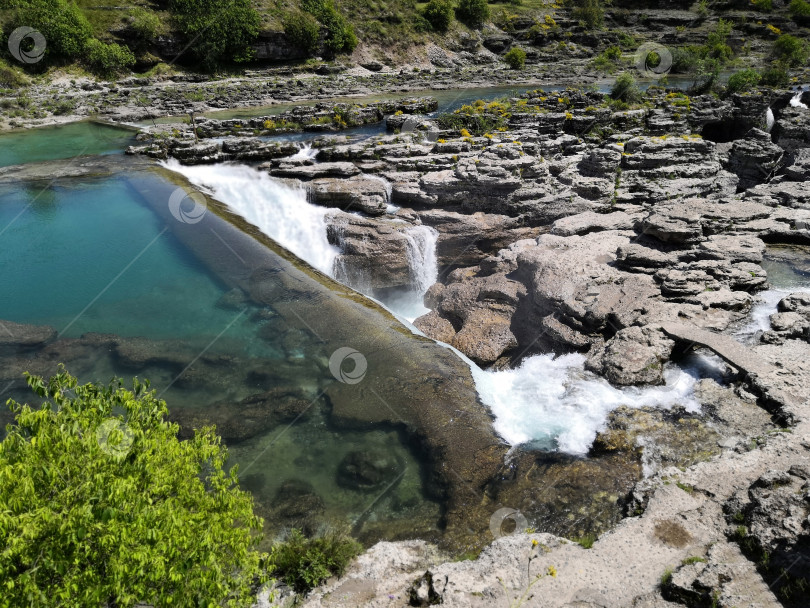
x=796 y=100
x=769 y=120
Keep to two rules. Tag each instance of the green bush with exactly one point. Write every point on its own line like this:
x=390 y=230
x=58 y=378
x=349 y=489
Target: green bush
x=102 y=505
x=472 y=12
x=625 y=89
x=65 y=28
x=800 y=11
x=108 y=59
x=717 y=41
x=303 y=563
x=791 y=50
x=608 y=60
x=684 y=58
x=303 y=31
x=763 y=5
x=439 y=13
x=776 y=76
x=340 y=37
x=516 y=58
x=589 y=12
x=11 y=77
x=216 y=32
x=145 y=25
x=743 y=80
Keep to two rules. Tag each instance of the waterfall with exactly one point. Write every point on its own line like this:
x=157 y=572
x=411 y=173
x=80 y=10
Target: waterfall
x=421 y=250
x=769 y=120
x=279 y=211
x=796 y=100
x=305 y=152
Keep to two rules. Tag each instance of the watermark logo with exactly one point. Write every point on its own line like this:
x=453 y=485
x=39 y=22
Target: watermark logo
x=114 y=437
x=359 y=365
x=187 y=208
x=653 y=60
x=499 y=517
x=26 y=45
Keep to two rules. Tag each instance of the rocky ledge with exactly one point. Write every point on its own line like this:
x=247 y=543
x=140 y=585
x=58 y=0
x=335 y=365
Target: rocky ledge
x=565 y=224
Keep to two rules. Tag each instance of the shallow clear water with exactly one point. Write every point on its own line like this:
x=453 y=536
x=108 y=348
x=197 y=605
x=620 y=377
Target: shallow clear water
x=64 y=141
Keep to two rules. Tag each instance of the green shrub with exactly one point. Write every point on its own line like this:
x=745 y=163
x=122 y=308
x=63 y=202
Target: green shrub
x=102 y=505
x=791 y=50
x=11 y=76
x=145 y=25
x=763 y=5
x=589 y=12
x=472 y=12
x=216 y=32
x=340 y=37
x=303 y=31
x=684 y=58
x=108 y=59
x=439 y=13
x=776 y=76
x=625 y=89
x=65 y=28
x=743 y=80
x=304 y=563
x=608 y=60
x=717 y=41
x=516 y=58
x=800 y=11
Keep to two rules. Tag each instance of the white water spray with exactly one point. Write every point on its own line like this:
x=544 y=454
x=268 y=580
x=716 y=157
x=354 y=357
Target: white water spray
x=422 y=261
x=769 y=120
x=279 y=211
x=305 y=152
x=796 y=100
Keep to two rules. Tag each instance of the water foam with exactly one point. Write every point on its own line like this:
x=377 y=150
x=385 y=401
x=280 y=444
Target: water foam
x=552 y=402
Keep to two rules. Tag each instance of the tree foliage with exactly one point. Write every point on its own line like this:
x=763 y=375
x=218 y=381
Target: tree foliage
x=216 y=32
x=625 y=89
x=439 y=13
x=101 y=504
x=108 y=59
x=472 y=12
x=303 y=30
x=589 y=12
x=304 y=563
x=340 y=37
x=65 y=28
x=791 y=50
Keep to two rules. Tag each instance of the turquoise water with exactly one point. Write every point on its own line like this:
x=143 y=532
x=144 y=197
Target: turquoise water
x=64 y=141
x=93 y=255
x=115 y=266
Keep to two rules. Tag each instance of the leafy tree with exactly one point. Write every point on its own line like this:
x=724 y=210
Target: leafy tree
x=303 y=31
x=439 y=13
x=214 y=33
x=472 y=12
x=791 y=50
x=516 y=58
x=589 y=12
x=340 y=37
x=65 y=28
x=108 y=59
x=743 y=80
x=102 y=505
x=717 y=41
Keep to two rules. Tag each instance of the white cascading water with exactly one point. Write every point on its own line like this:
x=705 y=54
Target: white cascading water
x=422 y=260
x=279 y=211
x=796 y=100
x=769 y=120
x=547 y=400
x=305 y=152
